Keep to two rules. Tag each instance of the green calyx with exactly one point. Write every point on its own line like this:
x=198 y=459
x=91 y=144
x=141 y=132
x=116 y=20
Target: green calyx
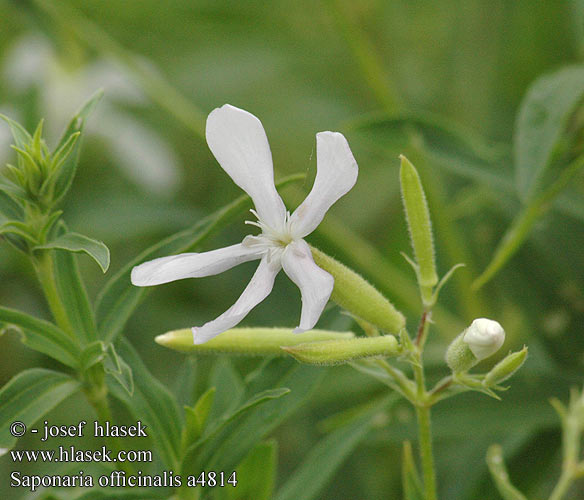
x=359 y=297
x=336 y=352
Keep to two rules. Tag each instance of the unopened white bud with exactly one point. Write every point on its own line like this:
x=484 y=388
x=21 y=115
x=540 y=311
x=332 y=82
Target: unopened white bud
x=484 y=337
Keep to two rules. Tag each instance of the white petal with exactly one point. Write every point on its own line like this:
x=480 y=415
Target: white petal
x=258 y=289
x=238 y=141
x=316 y=285
x=336 y=174
x=192 y=265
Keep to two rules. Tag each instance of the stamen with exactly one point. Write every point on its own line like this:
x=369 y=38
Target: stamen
x=254 y=223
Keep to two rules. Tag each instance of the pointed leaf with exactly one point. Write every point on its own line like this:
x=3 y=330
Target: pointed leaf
x=196 y=417
x=74 y=242
x=9 y=209
x=19 y=133
x=411 y=482
x=43 y=336
x=229 y=390
x=119 y=298
x=94 y=353
x=319 y=466
x=72 y=292
x=74 y=296
x=256 y=474
x=119 y=369
x=69 y=166
x=29 y=396
x=154 y=405
x=227 y=448
x=541 y=123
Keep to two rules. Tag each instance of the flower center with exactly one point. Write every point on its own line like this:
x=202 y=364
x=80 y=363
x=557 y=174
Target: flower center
x=278 y=237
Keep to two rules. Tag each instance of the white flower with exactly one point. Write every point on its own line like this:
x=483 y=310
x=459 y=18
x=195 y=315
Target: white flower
x=484 y=337
x=239 y=143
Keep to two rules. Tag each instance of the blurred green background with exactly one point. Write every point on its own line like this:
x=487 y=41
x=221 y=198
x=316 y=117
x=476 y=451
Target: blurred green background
x=303 y=67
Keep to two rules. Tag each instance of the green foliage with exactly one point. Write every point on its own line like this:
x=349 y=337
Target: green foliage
x=74 y=242
x=411 y=481
x=312 y=475
x=498 y=154
x=42 y=336
x=154 y=405
x=29 y=396
x=544 y=136
x=256 y=473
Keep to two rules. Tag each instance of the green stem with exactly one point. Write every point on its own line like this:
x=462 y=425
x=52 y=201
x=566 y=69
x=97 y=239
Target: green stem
x=521 y=226
x=423 y=413
x=43 y=264
x=571 y=436
x=426 y=455
x=402 y=382
x=562 y=486
x=97 y=395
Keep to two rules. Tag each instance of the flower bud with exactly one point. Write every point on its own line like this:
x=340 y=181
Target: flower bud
x=246 y=341
x=484 y=337
x=480 y=340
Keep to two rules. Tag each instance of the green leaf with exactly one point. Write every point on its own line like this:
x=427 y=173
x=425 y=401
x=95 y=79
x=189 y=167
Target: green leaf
x=225 y=449
x=450 y=145
x=92 y=354
x=11 y=189
x=319 y=466
x=119 y=298
x=154 y=405
x=74 y=296
x=21 y=137
x=541 y=124
x=119 y=369
x=72 y=292
x=225 y=426
x=43 y=336
x=69 y=166
x=9 y=209
x=256 y=474
x=196 y=418
x=30 y=395
x=74 y=242
x=229 y=390
x=58 y=160
x=411 y=482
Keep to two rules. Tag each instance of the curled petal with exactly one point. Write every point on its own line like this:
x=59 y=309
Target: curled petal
x=316 y=285
x=336 y=175
x=239 y=143
x=258 y=289
x=192 y=265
